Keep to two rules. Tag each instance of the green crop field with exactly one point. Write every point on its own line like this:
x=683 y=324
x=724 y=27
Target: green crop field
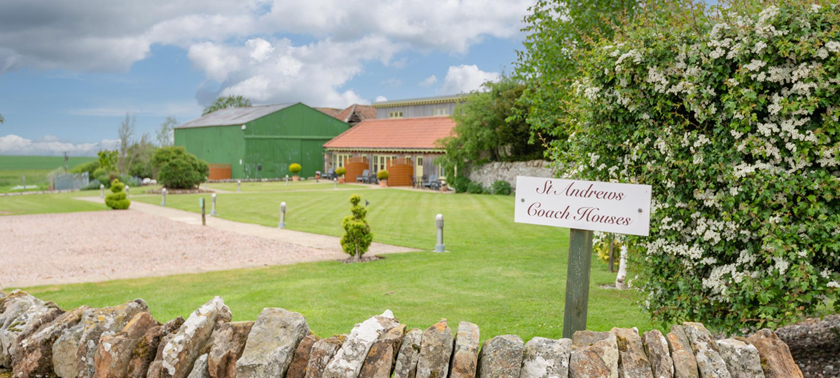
x=35 y=168
x=503 y=276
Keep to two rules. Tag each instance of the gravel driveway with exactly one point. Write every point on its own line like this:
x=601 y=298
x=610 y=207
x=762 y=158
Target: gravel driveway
x=106 y=245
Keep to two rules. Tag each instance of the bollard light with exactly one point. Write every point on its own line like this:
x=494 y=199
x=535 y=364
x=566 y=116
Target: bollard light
x=239 y=186
x=282 y=215
x=287 y=180
x=127 y=189
x=335 y=183
x=101 y=191
x=439 y=224
x=163 y=197
x=213 y=206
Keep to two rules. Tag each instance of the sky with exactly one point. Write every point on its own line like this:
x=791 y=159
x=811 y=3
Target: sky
x=71 y=71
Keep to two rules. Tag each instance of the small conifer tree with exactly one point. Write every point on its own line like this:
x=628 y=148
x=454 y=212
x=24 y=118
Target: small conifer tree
x=357 y=236
x=117 y=199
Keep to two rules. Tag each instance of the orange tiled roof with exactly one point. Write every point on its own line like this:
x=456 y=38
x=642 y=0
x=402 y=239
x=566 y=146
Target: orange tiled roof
x=401 y=133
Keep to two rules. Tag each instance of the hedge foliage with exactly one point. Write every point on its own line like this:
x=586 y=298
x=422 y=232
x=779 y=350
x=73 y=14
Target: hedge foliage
x=735 y=122
x=178 y=169
x=502 y=188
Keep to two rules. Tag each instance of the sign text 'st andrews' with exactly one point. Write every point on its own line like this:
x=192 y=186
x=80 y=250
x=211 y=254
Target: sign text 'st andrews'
x=584 y=205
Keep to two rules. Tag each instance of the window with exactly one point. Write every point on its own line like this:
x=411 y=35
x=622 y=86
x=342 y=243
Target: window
x=441 y=112
x=340 y=159
x=395 y=115
x=381 y=162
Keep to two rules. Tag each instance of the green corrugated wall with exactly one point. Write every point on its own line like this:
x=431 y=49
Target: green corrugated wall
x=292 y=135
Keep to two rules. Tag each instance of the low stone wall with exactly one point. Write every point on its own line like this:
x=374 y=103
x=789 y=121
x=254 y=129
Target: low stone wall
x=38 y=339
x=228 y=181
x=179 y=191
x=489 y=173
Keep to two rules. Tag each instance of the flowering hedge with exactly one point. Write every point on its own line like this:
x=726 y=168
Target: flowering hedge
x=735 y=122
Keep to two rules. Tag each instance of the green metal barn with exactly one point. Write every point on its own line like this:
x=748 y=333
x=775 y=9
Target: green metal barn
x=260 y=141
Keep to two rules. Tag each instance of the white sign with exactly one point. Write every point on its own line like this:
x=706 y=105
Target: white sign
x=584 y=205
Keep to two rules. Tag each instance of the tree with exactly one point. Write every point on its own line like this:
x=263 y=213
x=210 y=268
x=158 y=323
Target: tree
x=485 y=129
x=2 y=119
x=227 y=102
x=125 y=132
x=178 y=169
x=141 y=153
x=165 y=135
x=357 y=236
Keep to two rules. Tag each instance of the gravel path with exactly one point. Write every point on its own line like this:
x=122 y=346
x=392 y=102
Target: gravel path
x=106 y=245
x=815 y=346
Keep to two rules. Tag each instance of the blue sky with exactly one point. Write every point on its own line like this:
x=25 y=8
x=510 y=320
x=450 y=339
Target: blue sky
x=68 y=75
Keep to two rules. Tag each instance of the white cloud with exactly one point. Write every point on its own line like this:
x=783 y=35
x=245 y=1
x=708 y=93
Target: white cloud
x=464 y=79
x=429 y=81
x=49 y=145
x=380 y=99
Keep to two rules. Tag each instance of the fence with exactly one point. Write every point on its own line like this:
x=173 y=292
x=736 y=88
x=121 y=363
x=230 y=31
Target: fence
x=68 y=181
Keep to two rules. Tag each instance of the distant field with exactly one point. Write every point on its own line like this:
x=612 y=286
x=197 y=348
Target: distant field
x=35 y=168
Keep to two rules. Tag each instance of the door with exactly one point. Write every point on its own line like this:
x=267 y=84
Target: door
x=418 y=169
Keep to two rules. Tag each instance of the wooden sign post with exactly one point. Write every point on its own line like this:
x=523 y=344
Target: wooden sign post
x=583 y=207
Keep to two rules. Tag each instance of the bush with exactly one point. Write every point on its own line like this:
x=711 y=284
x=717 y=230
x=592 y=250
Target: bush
x=382 y=175
x=501 y=187
x=93 y=185
x=475 y=188
x=357 y=236
x=104 y=177
x=340 y=171
x=734 y=122
x=295 y=168
x=178 y=169
x=88 y=167
x=461 y=184
x=117 y=199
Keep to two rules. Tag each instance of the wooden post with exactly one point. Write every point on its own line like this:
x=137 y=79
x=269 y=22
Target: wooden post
x=612 y=252
x=203 y=219
x=577 y=282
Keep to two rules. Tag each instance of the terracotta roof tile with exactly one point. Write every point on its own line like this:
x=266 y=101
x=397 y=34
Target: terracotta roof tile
x=402 y=133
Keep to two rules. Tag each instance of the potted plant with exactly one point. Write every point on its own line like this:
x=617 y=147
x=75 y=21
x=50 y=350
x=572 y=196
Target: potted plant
x=383 y=178
x=340 y=171
x=295 y=169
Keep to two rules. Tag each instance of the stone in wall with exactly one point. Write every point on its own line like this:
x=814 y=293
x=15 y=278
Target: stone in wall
x=435 y=351
x=406 y=366
x=546 y=358
x=33 y=357
x=741 y=359
x=321 y=354
x=501 y=357
x=271 y=344
x=709 y=361
x=114 y=351
x=149 y=348
x=21 y=315
x=600 y=359
x=300 y=361
x=465 y=354
x=380 y=358
x=776 y=360
x=199 y=369
x=632 y=359
x=685 y=364
x=228 y=343
x=656 y=347
x=489 y=173
x=74 y=352
x=349 y=359
x=181 y=351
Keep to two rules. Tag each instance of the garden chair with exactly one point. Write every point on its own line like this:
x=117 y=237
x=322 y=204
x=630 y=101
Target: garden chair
x=364 y=177
x=331 y=175
x=431 y=182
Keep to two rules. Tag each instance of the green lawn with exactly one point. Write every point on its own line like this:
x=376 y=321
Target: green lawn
x=251 y=187
x=505 y=277
x=58 y=203
x=35 y=168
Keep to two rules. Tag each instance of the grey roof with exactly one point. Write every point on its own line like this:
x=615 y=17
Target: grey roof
x=234 y=116
x=446 y=98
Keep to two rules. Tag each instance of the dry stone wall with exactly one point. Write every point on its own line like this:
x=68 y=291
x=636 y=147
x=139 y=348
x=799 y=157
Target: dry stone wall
x=38 y=339
x=489 y=173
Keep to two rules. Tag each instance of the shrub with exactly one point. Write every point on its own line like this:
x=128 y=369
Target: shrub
x=88 y=167
x=178 y=169
x=104 y=177
x=117 y=199
x=475 y=188
x=734 y=122
x=501 y=187
x=461 y=184
x=357 y=236
x=340 y=171
x=382 y=175
x=295 y=168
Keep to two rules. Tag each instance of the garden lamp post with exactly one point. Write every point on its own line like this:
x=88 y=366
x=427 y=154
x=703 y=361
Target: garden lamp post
x=239 y=186
x=282 y=216
x=439 y=224
x=101 y=191
x=335 y=183
x=213 y=206
x=127 y=189
x=287 y=180
x=163 y=197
